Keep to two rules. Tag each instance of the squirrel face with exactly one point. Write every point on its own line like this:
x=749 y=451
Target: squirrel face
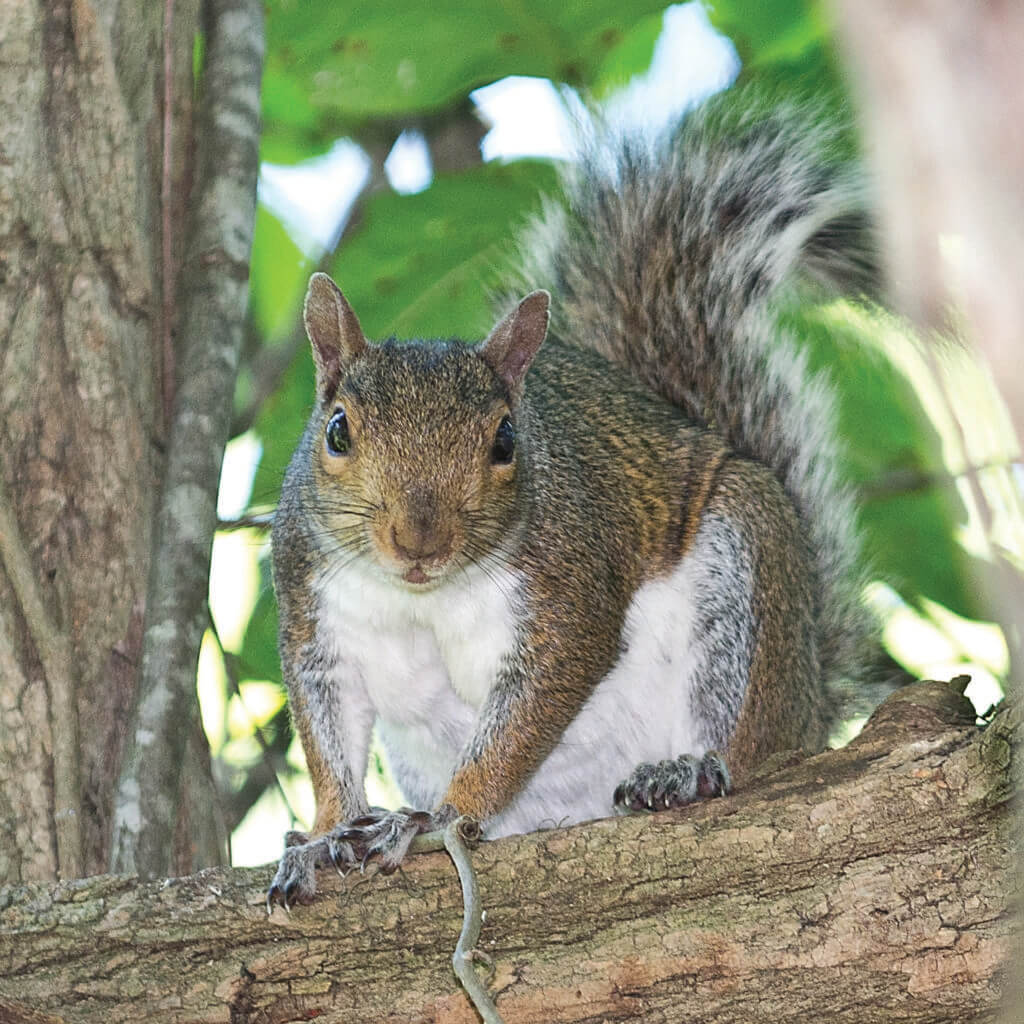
x=415 y=456
x=416 y=462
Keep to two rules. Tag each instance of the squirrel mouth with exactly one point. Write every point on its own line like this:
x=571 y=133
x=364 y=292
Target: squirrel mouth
x=415 y=575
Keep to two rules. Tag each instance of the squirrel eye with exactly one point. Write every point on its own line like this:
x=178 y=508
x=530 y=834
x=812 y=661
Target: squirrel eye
x=338 y=440
x=504 y=442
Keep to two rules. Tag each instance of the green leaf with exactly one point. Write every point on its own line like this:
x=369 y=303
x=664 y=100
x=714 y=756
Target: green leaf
x=421 y=264
x=279 y=425
x=278 y=272
x=772 y=31
x=258 y=658
x=291 y=124
x=331 y=67
x=786 y=42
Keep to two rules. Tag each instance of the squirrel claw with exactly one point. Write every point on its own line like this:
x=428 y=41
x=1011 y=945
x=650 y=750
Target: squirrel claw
x=276 y=896
x=714 y=778
x=340 y=853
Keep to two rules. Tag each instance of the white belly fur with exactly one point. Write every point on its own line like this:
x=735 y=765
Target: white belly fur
x=427 y=660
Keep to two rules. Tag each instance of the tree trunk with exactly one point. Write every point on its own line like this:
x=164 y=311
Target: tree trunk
x=861 y=885
x=80 y=418
x=96 y=145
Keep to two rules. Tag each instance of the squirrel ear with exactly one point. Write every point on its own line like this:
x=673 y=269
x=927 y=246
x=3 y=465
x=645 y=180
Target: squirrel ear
x=509 y=349
x=334 y=331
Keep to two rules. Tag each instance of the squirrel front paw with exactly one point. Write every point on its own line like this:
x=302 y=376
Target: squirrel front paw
x=386 y=835
x=657 y=787
x=295 y=879
x=381 y=835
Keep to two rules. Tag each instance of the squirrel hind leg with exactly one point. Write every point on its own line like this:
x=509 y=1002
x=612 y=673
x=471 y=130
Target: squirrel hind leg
x=676 y=783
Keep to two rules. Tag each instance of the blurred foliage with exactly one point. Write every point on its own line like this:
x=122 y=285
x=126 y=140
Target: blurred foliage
x=334 y=69
x=793 y=36
x=278 y=273
x=893 y=455
x=423 y=264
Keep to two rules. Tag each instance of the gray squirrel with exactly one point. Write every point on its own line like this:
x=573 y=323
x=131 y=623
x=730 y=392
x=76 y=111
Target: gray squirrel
x=593 y=564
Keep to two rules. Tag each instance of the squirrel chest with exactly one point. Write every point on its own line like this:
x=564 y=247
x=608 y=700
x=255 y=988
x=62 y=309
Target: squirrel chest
x=422 y=664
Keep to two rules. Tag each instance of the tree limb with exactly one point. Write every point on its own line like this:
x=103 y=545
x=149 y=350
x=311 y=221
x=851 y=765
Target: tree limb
x=215 y=279
x=862 y=885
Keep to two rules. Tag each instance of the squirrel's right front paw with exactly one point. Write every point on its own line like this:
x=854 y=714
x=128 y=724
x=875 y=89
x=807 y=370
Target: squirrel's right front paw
x=295 y=879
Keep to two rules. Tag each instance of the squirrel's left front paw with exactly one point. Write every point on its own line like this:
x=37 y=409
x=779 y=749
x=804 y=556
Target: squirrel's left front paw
x=657 y=787
x=386 y=835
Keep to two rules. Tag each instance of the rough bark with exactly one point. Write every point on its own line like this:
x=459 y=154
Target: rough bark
x=78 y=416
x=92 y=134
x=861 y=885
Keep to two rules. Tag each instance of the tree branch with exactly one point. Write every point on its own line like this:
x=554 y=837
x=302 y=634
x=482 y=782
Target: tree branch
x=215 y=278
x=862 y=885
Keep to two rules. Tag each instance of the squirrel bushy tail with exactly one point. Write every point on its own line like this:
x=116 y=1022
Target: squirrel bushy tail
x=671 y=258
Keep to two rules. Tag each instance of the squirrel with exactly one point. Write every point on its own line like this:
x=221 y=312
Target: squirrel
x=594 y=564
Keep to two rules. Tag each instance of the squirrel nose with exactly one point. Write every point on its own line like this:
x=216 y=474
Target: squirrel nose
x=420 y=530
x=420 y=541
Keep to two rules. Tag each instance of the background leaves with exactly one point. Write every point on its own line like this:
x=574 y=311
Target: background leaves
x=335 y=69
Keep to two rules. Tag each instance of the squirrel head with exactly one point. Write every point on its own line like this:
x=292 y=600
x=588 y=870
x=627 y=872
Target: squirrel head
x=416 y=446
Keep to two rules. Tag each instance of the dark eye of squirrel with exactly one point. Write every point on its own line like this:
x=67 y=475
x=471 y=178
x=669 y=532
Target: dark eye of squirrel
x=504 y=442
x=338 y=441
